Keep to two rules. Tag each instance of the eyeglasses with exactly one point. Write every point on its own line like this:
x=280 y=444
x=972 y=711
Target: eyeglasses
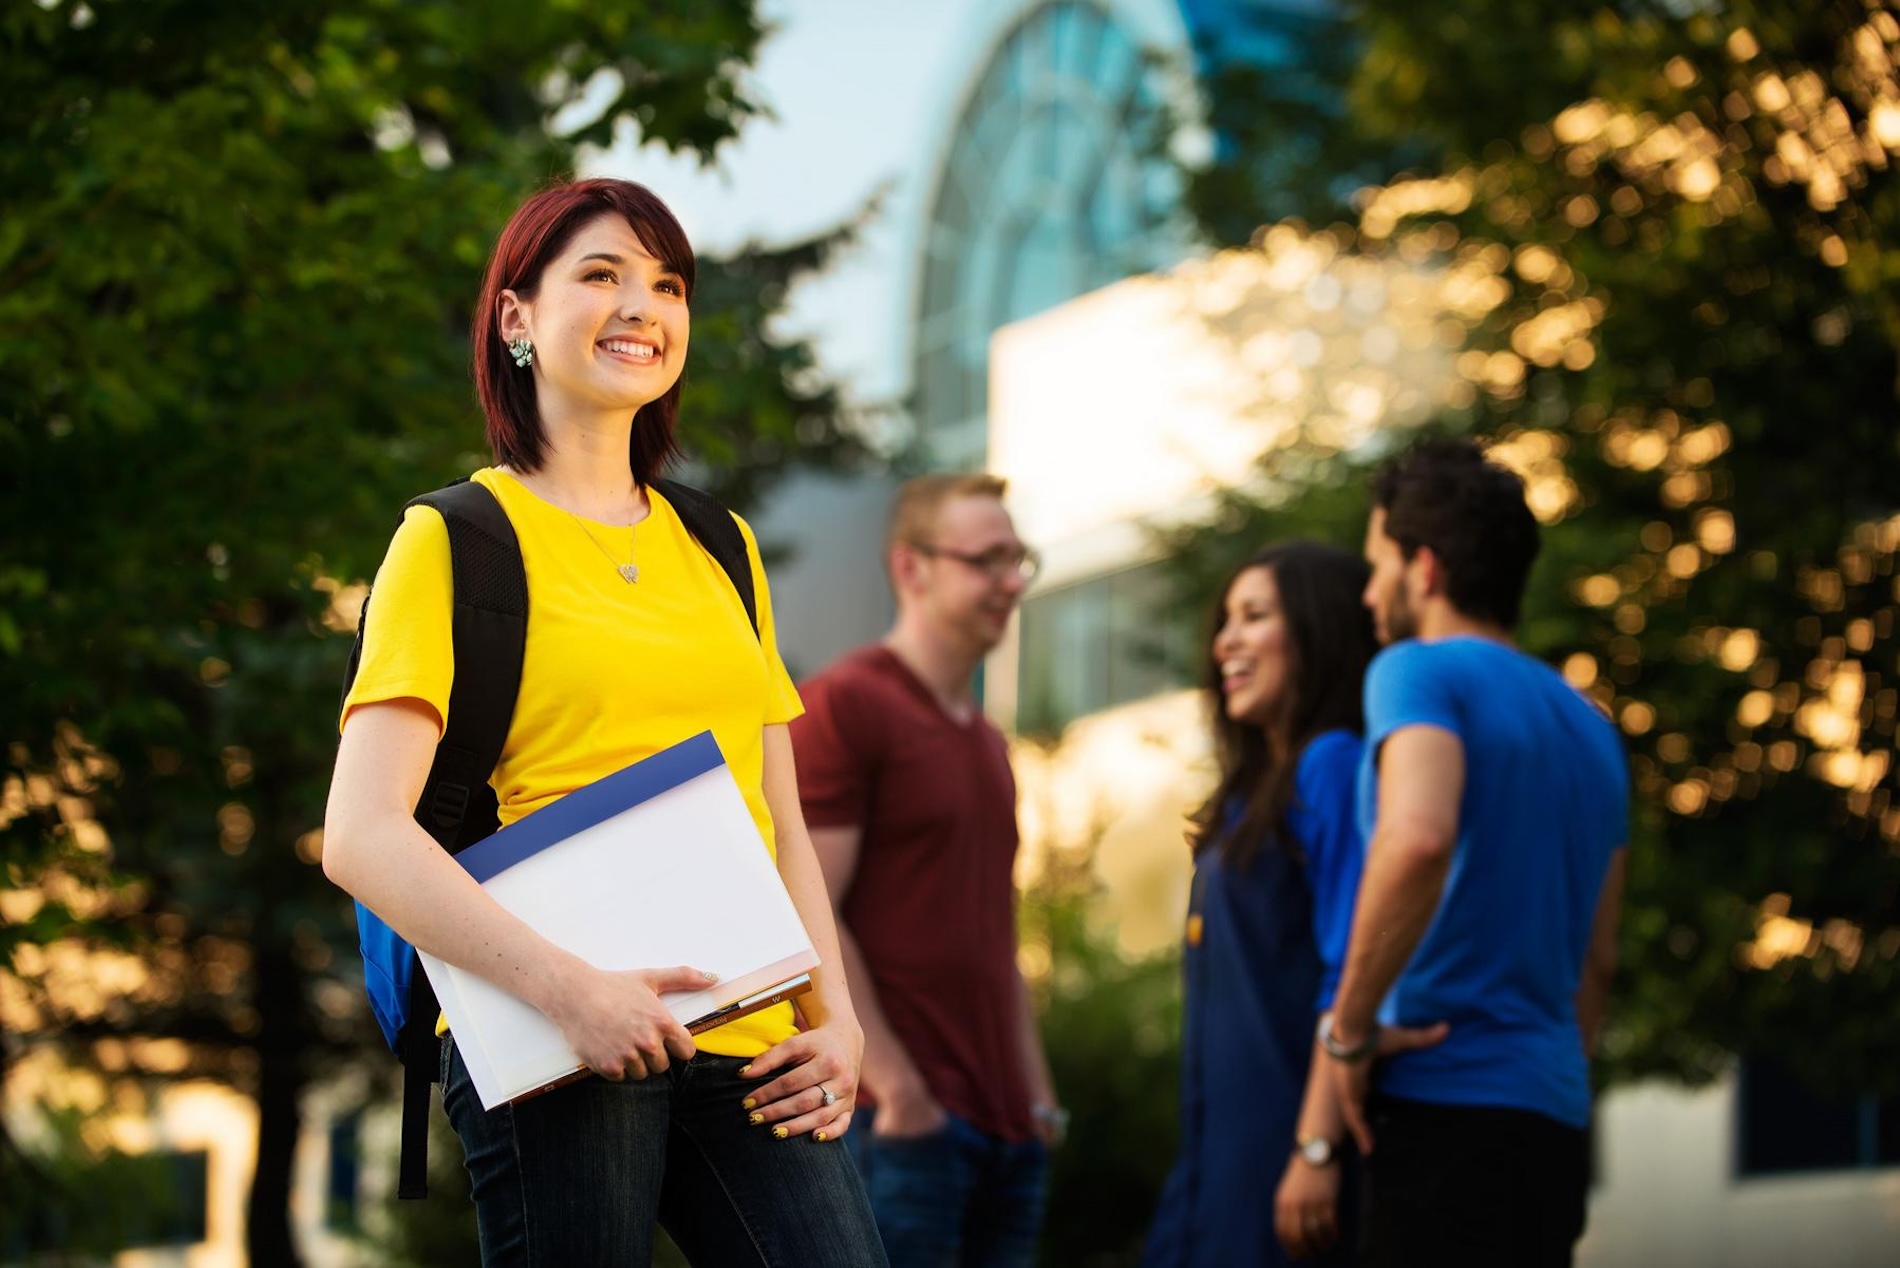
x=998 y=564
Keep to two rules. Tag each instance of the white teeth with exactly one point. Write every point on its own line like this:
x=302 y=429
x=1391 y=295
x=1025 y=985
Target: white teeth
x=629 y=349
x=1230 y=668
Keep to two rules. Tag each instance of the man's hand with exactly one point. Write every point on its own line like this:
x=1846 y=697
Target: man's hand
x=1351 y=1080
x=907 y=1112
x=1052 y=1123
x=1306 y=1209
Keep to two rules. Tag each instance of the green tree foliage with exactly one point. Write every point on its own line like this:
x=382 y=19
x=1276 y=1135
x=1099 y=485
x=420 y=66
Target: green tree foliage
x=238 y=244
x=1680 y=221
x=1111 y=1029
x=142 y=1199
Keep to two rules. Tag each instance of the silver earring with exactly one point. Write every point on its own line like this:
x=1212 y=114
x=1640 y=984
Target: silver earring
x=523 y=351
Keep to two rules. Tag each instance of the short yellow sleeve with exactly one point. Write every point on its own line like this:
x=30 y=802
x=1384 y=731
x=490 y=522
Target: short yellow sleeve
x=781 y=697
x=408 y=647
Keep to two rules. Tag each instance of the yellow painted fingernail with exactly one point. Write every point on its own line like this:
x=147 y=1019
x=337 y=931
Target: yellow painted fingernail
x=744 y=1070
x=821 y=1135
x=780 y=1132
x=756 y=1119
x=750 y=1102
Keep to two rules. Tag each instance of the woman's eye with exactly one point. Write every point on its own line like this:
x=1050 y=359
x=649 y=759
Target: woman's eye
x=607 y=274
x=672 y=287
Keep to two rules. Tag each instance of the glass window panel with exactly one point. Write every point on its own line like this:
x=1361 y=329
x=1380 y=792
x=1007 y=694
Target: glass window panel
x=340 y=1206
x=172 y=1189
x=1025 y=178
x=1887 y=1132
x=1785 y=1127
x=1065 y=34
x=962 y=445
x=1100 y=643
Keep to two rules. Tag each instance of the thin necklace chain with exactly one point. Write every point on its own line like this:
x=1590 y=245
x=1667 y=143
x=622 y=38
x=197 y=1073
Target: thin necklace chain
x=629 y=571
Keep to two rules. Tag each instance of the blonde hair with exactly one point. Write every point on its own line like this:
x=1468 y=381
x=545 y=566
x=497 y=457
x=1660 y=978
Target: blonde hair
x=920 y=502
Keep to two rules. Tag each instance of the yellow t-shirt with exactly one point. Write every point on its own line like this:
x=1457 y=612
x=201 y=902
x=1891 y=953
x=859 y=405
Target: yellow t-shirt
x=612 y=672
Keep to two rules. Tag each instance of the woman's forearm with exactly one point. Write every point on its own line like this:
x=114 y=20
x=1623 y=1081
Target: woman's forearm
x=1319 y=1112
x=798 y=868
x=830 y=995
x=375 y=850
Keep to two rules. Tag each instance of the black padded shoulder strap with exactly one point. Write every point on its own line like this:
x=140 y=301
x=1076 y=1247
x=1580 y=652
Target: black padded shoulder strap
x=713 y=526
x=490 y=637
x=457 y=806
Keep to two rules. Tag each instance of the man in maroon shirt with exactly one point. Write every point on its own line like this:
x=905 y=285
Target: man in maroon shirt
x=912 y=808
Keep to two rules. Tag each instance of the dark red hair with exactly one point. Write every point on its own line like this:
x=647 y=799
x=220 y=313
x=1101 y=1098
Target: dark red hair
x=538 y=232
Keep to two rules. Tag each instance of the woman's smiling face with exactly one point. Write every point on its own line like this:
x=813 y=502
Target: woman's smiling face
x=608 y=320
x=1251 y=648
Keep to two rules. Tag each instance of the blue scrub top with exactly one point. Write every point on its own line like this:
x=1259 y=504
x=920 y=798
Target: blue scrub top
x=1271 y=943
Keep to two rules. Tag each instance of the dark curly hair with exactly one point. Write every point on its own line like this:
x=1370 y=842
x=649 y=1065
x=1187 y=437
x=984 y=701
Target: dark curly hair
x=1445 y=494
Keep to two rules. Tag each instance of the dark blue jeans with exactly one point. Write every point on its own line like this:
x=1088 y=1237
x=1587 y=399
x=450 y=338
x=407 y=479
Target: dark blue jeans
x=580 y=1175
x=956 y=1198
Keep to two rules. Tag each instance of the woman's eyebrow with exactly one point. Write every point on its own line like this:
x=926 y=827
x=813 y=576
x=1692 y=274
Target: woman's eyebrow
x=621 y=260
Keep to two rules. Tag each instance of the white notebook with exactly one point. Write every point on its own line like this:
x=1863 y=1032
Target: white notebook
x=655 y=865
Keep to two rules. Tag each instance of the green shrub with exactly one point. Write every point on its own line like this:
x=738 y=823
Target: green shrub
x=1112 y=1029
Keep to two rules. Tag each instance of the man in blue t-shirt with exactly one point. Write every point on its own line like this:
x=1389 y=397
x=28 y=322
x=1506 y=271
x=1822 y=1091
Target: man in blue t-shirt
x=1495 y=803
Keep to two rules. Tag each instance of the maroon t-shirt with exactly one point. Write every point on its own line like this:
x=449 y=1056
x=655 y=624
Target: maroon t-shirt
x=933 y=902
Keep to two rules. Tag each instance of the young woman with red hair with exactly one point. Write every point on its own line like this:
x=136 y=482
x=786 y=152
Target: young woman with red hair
x=636 y=640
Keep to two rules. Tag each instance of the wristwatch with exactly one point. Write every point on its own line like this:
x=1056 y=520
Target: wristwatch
x=1341 y=1052
x=1053 y=1117
x=1317 y=1151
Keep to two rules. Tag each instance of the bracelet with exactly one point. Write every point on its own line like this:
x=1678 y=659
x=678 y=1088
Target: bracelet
x=1341 y=1052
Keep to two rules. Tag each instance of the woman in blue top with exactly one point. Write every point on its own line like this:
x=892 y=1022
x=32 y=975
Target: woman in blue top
x=1261 y=1174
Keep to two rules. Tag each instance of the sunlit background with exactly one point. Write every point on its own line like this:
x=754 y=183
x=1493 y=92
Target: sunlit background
x=1181 y=272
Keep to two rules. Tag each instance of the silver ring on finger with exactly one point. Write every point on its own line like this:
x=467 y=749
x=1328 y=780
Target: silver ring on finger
x=827 y=1096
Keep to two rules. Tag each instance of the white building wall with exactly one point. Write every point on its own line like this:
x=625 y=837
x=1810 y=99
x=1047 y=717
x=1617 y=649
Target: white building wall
x=829 y=593
x=1668 y=1194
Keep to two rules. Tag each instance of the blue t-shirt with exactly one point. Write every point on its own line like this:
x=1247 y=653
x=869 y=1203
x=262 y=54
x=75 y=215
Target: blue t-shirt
x=1546 y=804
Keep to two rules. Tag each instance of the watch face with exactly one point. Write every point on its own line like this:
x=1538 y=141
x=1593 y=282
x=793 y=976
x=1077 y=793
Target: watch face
x=1318 y=1151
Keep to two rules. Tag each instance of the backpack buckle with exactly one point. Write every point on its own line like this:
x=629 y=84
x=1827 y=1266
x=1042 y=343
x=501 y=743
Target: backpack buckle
x=451 y=804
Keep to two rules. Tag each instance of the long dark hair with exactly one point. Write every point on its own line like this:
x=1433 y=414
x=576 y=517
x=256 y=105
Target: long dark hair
x=1329 y=642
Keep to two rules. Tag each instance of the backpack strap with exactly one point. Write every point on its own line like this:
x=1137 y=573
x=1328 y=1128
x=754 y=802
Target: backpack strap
x=457 y=806
x=713 y=526
x=490 y=637
x=421 y=1055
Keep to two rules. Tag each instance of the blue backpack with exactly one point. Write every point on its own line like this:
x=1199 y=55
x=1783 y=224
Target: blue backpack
x=457 y=806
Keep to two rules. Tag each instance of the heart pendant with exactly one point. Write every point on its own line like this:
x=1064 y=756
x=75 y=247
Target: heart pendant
x=629 y=573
